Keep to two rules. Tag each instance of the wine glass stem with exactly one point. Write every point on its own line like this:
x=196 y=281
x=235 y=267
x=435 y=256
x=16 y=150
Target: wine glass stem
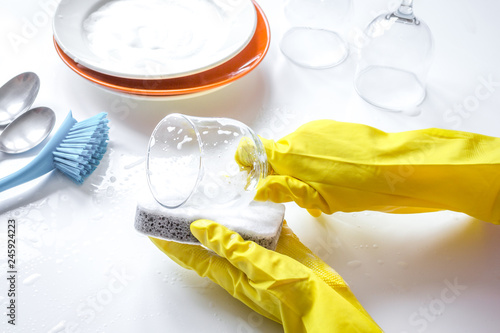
x=406 y=9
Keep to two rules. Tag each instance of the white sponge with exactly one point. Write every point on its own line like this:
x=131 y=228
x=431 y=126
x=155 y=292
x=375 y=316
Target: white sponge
x=260 y=222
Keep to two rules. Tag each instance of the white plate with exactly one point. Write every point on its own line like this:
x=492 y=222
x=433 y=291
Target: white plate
x=153 y=39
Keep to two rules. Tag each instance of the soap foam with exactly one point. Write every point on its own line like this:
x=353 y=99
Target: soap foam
x=260 y=222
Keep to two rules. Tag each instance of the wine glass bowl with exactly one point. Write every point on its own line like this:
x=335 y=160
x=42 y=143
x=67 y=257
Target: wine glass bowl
x=394 y=62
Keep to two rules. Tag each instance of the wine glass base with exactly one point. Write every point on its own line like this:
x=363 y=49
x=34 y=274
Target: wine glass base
x=314 y=48
x=390 y=88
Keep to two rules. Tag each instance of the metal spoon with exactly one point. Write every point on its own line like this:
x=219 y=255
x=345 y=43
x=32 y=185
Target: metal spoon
x=27 y=130
x=17 y=96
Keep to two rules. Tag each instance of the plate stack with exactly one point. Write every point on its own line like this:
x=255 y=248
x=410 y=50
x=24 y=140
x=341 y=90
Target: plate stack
x=161 y=48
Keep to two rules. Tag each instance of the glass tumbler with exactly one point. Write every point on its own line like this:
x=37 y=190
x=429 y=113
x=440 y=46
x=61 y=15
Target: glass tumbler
x=191 y=162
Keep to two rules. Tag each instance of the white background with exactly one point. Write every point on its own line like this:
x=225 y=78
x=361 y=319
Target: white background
x=83 y=268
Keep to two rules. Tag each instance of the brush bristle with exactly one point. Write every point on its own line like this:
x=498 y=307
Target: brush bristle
x=82 y=149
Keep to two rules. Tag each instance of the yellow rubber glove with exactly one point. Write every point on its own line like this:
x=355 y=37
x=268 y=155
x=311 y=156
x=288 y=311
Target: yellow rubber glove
x=334 y=166
x=291 y=286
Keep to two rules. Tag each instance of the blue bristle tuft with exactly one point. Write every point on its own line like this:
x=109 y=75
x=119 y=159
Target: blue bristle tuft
x=82 y=149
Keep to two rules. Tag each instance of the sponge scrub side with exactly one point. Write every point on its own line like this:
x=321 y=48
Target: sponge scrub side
x=260 y=222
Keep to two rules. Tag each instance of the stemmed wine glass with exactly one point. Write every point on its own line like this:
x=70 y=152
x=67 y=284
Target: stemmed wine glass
x=394 y=61
x=315 y=39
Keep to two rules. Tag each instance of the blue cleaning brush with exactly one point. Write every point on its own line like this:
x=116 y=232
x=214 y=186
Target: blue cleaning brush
x=75 y=149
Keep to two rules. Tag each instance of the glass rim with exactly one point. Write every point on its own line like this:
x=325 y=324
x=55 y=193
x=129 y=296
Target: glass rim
x=200 y=164
x=260 y=167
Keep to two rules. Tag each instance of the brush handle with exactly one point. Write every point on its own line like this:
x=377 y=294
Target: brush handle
x=43 y=162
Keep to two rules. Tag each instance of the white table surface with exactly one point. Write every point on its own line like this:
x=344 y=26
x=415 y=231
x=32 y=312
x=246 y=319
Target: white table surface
x=83 y=268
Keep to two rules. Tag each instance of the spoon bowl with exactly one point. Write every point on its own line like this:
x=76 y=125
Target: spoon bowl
x=27 y=131
x=17 y=96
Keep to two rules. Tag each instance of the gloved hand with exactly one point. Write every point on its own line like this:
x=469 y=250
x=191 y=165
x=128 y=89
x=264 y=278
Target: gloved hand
x=291 y=286
x=333 y=166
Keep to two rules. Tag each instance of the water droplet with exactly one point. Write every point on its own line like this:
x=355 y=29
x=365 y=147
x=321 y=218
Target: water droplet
x=136 y=163
x=186 y=139
x=59 y=327
x=110 y=191
x=354 y=263
x=31 y=279
x=375 y=246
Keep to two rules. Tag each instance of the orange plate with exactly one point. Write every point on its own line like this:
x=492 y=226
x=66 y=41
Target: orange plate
x=233 y=69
